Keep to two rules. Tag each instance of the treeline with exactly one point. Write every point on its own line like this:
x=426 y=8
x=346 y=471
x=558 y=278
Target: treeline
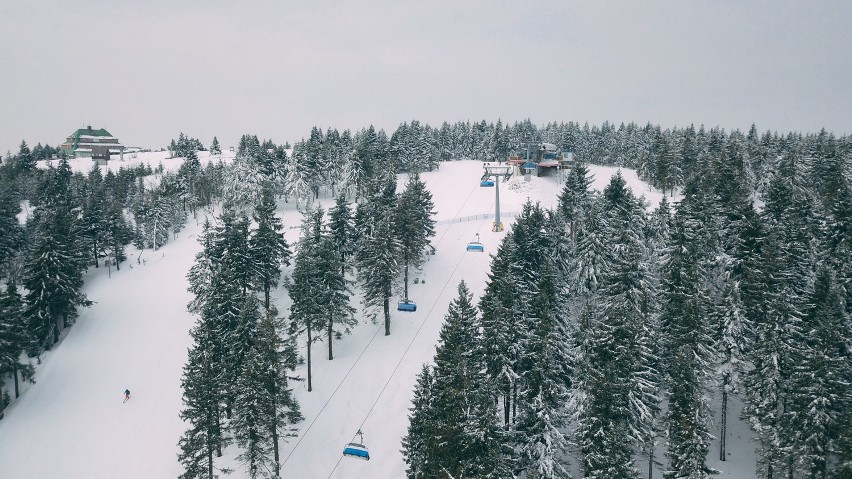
x=605 y=331
x=236 y=382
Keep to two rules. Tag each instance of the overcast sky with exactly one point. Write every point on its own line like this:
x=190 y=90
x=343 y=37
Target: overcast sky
x=147 y=70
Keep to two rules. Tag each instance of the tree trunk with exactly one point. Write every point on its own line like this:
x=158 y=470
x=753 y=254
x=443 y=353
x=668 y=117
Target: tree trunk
x=15 y=375
x=330 y=334
x=274 y=431
x=514 y=400
x=507 y=403
x=210 y=462
x=219 y=431
x=55 y=332
x=405 y=281
x=651 y=461
x=724 y=423
x=310 y=388
x=387 y=315
x=266 y=296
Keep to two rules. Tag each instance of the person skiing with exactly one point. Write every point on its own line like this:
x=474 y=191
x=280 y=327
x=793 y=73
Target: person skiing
x=126 y=395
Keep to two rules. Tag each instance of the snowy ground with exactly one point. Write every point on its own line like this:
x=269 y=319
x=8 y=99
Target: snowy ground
x=72 y=423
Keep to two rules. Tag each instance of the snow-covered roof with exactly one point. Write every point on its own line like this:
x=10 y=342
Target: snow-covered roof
x=92 y=137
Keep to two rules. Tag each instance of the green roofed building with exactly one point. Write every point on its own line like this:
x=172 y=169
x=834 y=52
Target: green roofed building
x=91 y=143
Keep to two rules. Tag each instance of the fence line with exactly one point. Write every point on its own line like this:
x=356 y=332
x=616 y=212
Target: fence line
x=485 y=216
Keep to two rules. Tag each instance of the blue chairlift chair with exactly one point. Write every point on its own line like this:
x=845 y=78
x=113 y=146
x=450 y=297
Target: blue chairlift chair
x=475 y=245
x=356 y=449
x=407 y=305
x=486 y=183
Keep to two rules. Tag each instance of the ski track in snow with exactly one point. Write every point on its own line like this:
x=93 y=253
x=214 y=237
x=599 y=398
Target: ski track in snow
x=72 y=422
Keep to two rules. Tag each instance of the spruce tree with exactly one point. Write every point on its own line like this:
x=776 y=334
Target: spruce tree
x=466 y=437
x=575 y=198
x=820 y=391
x=687 y=343
x=413 y=225
x=52 y=279
x=11 y=232
x=14 y=339
x=202 y=399
x=264 y=406
x=307 y=313
x=269 y=249
x=378 y=266
x=93 y=223
x=418 y=443
x=334 y=293
x=342 y=233
x=500 y=331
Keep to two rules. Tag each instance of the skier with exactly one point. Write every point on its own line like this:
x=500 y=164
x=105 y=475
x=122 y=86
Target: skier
x=126 y=395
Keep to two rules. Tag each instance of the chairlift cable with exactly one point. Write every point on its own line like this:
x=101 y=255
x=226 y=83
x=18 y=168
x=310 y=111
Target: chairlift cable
x=361 y=354
x=404 y=353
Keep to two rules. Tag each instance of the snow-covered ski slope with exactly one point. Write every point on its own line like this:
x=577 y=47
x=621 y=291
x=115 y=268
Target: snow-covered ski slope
x=72 y=422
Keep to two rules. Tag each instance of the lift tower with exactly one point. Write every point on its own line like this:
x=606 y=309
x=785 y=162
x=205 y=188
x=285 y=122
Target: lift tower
x=496 y=172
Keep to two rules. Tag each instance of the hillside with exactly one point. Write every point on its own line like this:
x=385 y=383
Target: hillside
x=136 y=336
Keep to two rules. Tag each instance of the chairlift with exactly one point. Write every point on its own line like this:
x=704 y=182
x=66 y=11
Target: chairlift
x=486 y=183
x=475 y=245
x=407 y=305
x=357 y=449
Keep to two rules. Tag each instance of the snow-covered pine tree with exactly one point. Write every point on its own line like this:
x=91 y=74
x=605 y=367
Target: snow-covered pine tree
x=342 y=231
x=542 y=414
x=575 y=198
x=202 y=399
x=11 y=232
x=617 y=380
x=232 y=249
x=417 y=444
x=14 y=339
x=330 y=287
x=307 y=313
x=278 y=358
x=591 y=257
x=188 y=176
x=334 y=293
x=774 y=293
x=687 y=344
x=377 y=254
x=92 y=223
x=245 y=179
x=252 y=404
x=52 y=278
x=500 y=344
x=820 y=390
x=466 y=436
x=414 y=225
x=269 y=249
x=296 y=184
x=215 y=149
x=264 y=405
x=378 y=268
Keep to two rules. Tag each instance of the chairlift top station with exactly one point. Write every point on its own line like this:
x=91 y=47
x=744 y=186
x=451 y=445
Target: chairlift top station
x=541 y=158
